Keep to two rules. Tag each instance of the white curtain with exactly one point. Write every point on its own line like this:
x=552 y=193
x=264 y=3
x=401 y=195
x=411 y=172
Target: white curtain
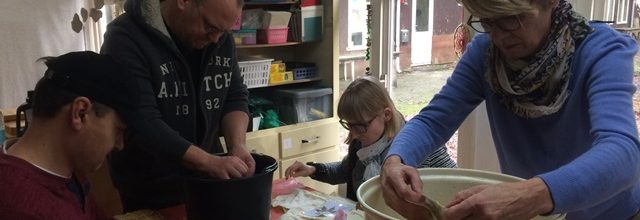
x=32 y=29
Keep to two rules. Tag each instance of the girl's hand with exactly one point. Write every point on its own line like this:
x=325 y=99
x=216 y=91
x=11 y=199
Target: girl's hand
x=299 y=169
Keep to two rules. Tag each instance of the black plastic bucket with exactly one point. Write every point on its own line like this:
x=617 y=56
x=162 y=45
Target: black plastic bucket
x=244 y=198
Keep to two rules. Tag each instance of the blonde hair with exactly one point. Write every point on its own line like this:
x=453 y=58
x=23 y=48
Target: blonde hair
x=366 y=97
x=499 y=8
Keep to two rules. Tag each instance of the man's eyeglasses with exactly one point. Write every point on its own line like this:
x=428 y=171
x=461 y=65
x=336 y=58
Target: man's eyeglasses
x=508 y=23
x=357 y=127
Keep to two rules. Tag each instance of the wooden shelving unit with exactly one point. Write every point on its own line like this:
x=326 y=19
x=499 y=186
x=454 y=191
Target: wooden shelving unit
x=290 y=143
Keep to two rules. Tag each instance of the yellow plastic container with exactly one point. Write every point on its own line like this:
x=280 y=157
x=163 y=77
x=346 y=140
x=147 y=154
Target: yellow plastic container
x=279 y=77
x=278 y=67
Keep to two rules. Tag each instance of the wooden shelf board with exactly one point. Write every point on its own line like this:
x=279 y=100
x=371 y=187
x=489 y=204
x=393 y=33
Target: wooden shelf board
x=290 y=82
x=267 y=45
x=270 y=3
x=296 y=81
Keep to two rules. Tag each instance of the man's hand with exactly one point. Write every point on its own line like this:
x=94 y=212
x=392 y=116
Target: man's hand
x=234 y=127
x=521 y=200
x=245 y=156
x=222 y=167
x=399 y=184
x=225 y=167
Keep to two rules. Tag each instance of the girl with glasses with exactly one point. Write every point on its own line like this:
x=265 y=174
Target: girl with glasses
x=558 y=91
x=366 y=110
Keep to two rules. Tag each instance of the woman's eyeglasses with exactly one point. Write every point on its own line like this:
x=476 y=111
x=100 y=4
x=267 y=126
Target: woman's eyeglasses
x=357 y=127
x=508 y=23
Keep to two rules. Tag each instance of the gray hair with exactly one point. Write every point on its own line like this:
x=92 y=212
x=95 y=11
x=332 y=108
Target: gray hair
x=198 y=2
x=500 y=8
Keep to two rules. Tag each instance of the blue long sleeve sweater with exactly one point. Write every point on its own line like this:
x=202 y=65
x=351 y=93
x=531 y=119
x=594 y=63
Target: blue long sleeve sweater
x=587 y=153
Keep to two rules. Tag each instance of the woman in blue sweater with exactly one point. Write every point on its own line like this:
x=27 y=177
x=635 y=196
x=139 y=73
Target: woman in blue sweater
x=558 y=93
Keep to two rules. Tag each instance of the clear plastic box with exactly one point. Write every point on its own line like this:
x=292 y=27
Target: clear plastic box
x=304 y=104
x=245 y=36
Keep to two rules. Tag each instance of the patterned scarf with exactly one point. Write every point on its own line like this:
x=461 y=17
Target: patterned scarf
x=538 y=87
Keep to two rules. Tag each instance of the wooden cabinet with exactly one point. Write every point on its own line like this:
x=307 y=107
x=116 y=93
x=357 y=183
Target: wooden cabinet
x=264 y=143
x=300 y=141
x=323 y=156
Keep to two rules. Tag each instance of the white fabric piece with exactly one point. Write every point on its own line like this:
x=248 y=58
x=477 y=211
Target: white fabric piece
x=300 y=201
x=299 y=198
x=370 y=157
x=32 y=29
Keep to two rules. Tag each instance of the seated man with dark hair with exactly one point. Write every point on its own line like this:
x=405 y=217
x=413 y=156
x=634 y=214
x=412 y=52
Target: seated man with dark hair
x=81 y=109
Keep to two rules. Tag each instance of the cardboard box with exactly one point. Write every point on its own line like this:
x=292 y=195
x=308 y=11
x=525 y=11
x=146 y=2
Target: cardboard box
x=252 y=18
x=10 y=128
x=9 y=114
x=312 y=23
x=275 y=19
x=279 y=77
x=278 y=67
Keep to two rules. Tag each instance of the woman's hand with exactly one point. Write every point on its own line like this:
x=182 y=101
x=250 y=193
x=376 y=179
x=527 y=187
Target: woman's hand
x=299 y=169
x=401 y=183
x=521 y=200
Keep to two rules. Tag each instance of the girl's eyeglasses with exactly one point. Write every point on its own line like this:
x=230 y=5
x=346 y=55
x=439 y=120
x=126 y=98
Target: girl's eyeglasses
x=508 y=23
x=357 y=127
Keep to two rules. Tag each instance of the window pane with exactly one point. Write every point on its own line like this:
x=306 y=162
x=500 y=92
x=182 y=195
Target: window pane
x=357 y=25
x=422 y=15
x=623 y=10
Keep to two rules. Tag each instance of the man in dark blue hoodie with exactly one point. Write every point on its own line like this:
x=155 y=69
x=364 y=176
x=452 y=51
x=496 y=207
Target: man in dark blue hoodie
x=184 y=61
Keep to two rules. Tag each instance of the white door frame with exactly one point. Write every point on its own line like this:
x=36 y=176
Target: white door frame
x=382 y=36
x=422 y=42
